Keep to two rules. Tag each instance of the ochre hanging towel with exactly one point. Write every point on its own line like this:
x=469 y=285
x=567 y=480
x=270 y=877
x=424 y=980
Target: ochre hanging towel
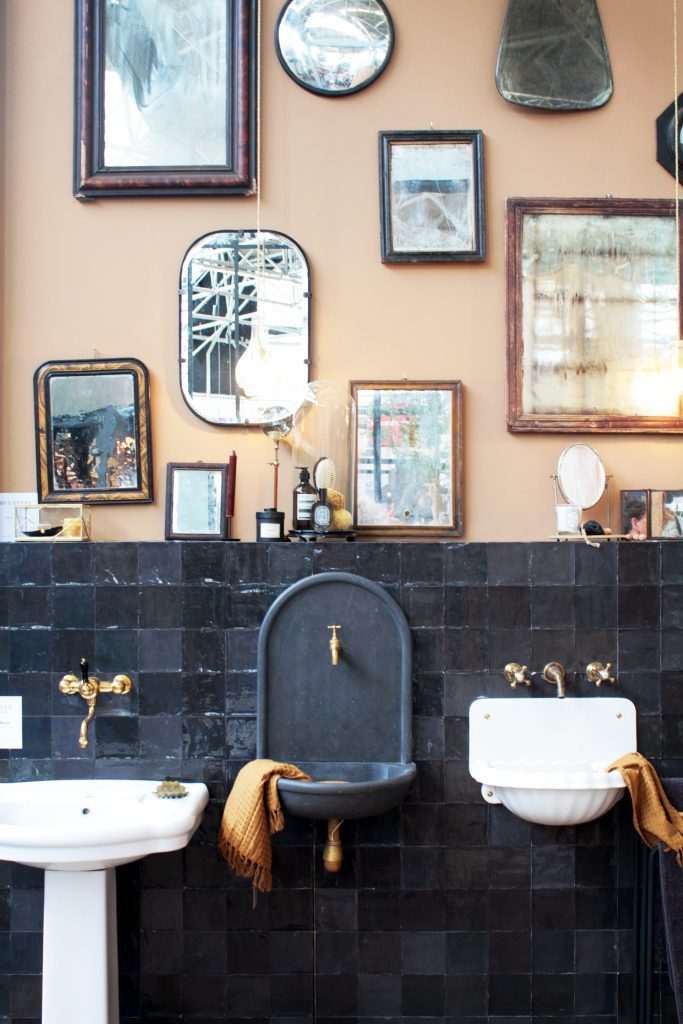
x=252 y=814
x=655 y=818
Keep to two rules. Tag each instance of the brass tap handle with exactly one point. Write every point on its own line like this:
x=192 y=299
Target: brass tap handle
x=335 y=645
x=68 y=685
x=119 y=684
x=516 y=674
x=598 y=673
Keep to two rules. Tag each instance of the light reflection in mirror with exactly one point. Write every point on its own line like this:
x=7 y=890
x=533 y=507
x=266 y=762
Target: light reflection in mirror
x=243 y=296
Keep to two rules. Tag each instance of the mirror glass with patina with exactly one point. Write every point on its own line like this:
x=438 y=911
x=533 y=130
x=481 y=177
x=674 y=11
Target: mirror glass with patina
x=334 y=47
x=244 y=325
x=408 y=457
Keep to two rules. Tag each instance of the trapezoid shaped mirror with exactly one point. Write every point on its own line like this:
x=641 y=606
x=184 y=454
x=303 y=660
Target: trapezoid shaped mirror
x=243 y=294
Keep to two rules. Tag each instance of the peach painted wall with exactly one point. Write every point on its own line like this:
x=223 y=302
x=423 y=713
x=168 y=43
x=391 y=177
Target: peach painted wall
x=101 y=277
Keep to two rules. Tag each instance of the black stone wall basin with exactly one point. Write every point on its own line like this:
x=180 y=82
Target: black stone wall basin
x=343 y=789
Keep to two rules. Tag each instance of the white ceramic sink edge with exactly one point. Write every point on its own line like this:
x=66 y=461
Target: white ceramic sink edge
x=546 y=759
x=93 y=824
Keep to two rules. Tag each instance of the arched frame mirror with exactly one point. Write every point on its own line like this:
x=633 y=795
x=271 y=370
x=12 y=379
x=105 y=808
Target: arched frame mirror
x=334 y=47
x=241 y=291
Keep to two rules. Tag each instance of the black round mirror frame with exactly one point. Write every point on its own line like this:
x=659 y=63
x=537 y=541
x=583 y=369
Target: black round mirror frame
x=666 y=139
x=379 y=4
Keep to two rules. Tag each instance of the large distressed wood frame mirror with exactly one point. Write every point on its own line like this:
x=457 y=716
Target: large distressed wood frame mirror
x=243 y=294
x=593 y=318
x=409 y=449
x=165 y=98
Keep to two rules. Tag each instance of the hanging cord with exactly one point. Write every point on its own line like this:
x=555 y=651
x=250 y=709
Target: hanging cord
x=259 y=239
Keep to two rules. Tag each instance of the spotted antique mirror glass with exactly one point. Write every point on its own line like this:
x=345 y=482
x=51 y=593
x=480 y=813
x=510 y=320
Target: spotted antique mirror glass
x=244 y=314
x=334 y=47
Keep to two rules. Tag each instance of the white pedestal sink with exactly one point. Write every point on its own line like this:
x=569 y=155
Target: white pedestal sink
x=78 y=831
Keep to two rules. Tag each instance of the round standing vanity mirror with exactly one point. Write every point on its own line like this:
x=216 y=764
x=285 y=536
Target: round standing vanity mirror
x=244 y=306
x=334 y=47
x=581 y=476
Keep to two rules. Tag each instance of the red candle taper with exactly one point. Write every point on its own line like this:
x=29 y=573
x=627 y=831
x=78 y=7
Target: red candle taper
x=230 y=496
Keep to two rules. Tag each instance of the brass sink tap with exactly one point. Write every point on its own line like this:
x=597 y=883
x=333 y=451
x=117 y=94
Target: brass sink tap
x=335 y=644
x=88 y=688
x=553 y=673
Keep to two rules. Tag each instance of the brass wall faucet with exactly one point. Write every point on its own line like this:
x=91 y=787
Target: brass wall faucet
x=335 y=644
x=553 y=673
x=89 y=687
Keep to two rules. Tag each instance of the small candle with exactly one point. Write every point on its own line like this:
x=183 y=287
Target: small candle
x=230 y=494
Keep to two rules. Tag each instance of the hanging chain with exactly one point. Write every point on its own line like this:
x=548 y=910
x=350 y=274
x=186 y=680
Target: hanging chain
x=677 y=143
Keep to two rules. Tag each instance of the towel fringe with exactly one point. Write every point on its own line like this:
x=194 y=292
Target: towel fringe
x=245 y=867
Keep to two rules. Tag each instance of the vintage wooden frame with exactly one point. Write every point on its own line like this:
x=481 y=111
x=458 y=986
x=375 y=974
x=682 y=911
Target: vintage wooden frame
x=233 y=175
x=174 y=530
x=431 y=187
x=442 y=481
x=639 y=372
x=80 y=440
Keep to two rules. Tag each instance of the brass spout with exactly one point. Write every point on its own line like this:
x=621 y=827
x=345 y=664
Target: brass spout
x=335 y=645
x=553 y=673
x=333 y=855
x=83 y=734
x=89 y=687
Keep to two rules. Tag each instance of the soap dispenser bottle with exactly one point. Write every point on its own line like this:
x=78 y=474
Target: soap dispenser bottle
x=304 y=496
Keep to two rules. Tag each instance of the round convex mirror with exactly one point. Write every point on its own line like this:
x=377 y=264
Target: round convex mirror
x=334 y=47
x=581 y=475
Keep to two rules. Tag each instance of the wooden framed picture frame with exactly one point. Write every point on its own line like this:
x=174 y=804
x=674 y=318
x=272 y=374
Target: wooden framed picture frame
x=93 y=433
x=408 y=458
x=165 y=98
x=592 y=316
x=197 y=501
x=432 y=196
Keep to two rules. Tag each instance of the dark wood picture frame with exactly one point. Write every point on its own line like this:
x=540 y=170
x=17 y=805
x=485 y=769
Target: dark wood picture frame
x=216 y=511
x=234 y=175
x=93 y=424
x=409 y=471
x=541 y=278
x=432 y=196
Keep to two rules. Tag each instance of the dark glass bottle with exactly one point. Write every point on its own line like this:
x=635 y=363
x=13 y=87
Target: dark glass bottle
x=304 y=497
x=321 y=512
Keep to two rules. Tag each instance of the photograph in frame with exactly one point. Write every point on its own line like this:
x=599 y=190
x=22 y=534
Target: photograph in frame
x=431 y=193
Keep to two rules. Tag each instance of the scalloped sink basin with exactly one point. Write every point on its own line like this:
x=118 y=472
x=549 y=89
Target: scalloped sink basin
x=545 y=759
x=89 y=825
x=346 y=790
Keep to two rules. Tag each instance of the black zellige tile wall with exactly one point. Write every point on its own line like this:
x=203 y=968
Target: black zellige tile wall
x=446 y=908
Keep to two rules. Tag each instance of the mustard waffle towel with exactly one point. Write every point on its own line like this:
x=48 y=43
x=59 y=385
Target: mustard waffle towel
x=655 y=818
x=252 y=814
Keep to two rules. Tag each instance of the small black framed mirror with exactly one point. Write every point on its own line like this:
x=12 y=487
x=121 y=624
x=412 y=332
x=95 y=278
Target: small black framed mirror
x=333 y=47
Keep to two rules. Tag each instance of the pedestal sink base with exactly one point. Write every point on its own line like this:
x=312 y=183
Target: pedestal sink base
x=80 y=962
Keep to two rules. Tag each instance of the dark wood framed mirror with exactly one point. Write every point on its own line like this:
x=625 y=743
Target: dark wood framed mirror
x=165 y=98
x=196 y=501
x=93 y=440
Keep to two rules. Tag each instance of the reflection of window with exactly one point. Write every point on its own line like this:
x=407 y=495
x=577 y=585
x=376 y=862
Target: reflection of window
x=225 y=281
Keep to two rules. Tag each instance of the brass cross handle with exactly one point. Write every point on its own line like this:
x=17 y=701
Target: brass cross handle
x=598 y=673
x=516 y=674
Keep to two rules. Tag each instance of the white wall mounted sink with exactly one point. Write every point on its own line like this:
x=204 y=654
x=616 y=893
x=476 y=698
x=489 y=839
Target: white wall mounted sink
x=78 y=831
x=545 y=759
